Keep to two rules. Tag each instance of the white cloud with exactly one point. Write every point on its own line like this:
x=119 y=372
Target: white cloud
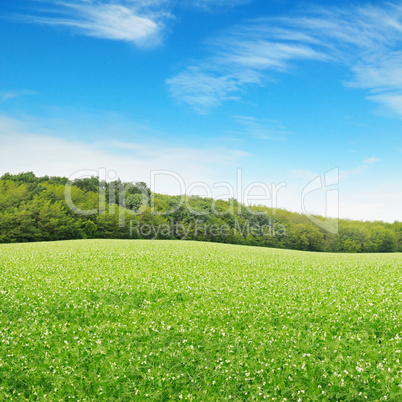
x=202 y=89
x=366 y=212
x=392 y=101
x=8 y=95
x=130 y=21
x=345 y=174
x=365 y=39
x=361 y=169
x=212 y=4
x=262 y=129
x=379 y=202
x=371 y=160
x=361 y=197
x=380 y=75
x=22 y=148
x=238 y=59
x=261 y=54
x=137 y=21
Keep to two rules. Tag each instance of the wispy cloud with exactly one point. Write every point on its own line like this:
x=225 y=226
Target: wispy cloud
x=371 y=160
x=262 y=129
x=365 y=39
x=345 y=174
x=137 y=21
x=24 y=147
x=362 y=168
x=134 y=21
x=392 y=101
x=237 y=59
x=213 y=4
x=204 y=89
x=8 y=95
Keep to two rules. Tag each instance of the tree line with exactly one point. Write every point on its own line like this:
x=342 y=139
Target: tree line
x=35 y=209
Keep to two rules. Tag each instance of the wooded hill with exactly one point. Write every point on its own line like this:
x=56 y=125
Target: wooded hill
x=35 y=209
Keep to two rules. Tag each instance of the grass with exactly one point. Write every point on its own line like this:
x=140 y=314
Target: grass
x=124 y=320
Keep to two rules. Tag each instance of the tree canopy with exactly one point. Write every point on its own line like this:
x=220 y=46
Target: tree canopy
x=35 y=209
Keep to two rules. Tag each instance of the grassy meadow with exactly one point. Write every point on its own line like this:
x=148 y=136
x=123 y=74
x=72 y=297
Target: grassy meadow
x=126 y=320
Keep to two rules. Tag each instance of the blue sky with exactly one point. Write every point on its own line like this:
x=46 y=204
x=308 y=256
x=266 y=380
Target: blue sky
x=284 y=90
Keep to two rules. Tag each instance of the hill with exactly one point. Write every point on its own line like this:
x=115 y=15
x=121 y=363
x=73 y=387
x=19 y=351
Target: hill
x=40 y=209
x=159 y=320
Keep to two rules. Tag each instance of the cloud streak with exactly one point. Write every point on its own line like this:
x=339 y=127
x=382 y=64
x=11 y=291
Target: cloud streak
x=371 y=160
x=366 y=40
x=137 y=21
x=237 y=60
x=213 y=4
x=262 y=129
x=8 y=95
x=124 y=20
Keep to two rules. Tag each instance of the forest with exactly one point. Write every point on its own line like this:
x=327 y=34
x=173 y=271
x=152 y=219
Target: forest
x=36 y=209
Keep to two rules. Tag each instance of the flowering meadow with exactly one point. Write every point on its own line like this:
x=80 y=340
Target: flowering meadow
x=125 y=320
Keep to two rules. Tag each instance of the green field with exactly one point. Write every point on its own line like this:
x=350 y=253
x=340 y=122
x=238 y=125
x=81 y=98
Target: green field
x=124 y=320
